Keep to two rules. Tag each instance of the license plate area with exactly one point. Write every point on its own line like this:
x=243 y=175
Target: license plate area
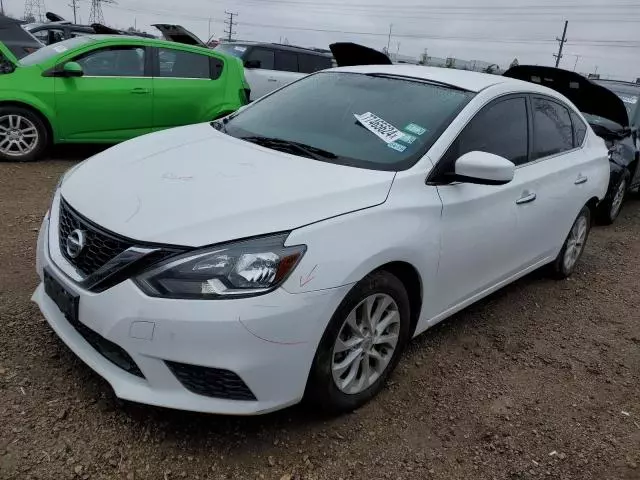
x=65 y=300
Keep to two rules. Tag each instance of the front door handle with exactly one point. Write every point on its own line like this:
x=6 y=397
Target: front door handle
x=141 y=91
x=581 y=180
x=526 y=198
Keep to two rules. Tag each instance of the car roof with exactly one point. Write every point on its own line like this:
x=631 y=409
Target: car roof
x=144 y=40
x=471 y=81
x=281 y=46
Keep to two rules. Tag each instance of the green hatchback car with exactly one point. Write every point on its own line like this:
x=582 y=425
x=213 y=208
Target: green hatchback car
x=106 y=89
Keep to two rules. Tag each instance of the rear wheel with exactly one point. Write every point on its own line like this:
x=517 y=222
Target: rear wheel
x=23 y=135
x=362 y=344
x=566 y=261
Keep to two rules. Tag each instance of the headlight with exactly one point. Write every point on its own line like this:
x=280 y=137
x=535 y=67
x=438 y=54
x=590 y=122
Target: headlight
x=239 y=269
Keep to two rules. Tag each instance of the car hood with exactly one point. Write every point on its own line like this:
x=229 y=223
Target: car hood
x=195 y=186
x=16 y=39
x=349 y=54
x=586 y=95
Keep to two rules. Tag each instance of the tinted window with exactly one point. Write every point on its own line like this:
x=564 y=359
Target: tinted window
x=579 y=130
x=500 y=128
x=180 y=64
x=552 y=131
x=313 y=63
x=319 y=112
x=262 y=56
x=113 y=62
x=286 y=61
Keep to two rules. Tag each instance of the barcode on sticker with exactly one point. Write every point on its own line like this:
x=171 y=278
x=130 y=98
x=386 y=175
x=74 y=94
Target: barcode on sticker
x=397 y=146
x=382 y=129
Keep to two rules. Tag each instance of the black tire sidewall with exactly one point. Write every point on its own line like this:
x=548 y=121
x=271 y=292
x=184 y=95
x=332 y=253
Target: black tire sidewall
x=604 y=210
x=321 y=389
x=43 y=134
x=559 y=268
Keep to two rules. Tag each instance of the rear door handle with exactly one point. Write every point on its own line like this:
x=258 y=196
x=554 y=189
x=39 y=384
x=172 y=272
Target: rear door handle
x=528 y=198
x=581 y=180
x=140 y=91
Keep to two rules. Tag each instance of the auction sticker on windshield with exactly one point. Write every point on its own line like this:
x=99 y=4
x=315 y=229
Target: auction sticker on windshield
x=384 y=130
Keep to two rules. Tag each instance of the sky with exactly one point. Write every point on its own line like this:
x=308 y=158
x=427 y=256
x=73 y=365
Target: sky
x=603 y=35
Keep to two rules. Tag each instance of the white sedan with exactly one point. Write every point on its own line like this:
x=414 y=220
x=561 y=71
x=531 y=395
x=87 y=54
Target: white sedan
x=293 y=249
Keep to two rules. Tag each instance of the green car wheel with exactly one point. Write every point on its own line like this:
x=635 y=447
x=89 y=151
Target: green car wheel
x=23 y=135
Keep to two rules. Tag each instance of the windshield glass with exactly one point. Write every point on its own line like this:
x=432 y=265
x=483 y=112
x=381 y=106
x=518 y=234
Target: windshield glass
x=368 y=121
x=50 y=51
x=232 y=49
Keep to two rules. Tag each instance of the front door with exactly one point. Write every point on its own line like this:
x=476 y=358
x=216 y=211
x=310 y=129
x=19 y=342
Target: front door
x=111 y=102
x=480 y=222
x=185 y=88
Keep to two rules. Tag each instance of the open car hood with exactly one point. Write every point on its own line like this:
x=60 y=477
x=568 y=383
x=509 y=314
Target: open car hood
x=17 y=40
x=179 y=34
x=586 y=95
x=349 y=54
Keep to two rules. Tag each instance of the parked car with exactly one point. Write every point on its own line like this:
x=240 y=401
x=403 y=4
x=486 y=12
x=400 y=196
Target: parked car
x=607 y=115
x=629 y=93
x=107 y=89
x=17 y=39
x=239 y=266
x=270 y=66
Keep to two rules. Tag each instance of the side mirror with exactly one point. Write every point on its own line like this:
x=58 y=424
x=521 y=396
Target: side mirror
x=252 y=64
x=72 y=69
x=484 y=169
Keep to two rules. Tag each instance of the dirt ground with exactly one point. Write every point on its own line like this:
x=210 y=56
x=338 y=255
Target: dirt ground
x=541 y=380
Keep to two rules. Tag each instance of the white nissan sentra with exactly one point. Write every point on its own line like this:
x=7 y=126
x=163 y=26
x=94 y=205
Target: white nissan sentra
x=293 y=249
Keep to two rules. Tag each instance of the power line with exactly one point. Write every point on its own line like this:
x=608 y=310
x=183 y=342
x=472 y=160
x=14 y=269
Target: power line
x=230 y=23
x=562 y=41
x=95 y=14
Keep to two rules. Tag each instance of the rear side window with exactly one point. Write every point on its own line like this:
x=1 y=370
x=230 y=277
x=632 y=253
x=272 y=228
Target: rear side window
x=499 y=128
x=579 y=130
x=312 y=63
x=286 y=61
x=262 y=58
x=552 y=130
x=181 y=64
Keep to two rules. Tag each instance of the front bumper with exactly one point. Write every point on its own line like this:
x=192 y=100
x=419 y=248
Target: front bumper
x=268 y=341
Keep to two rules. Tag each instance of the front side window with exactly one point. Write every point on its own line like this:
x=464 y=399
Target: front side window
x=308 y=63
x=500 y=128
x=552 y=130
x=181 y=64
x=261 y=58
x=316 y=117
x=121 y=61
x=286 y=61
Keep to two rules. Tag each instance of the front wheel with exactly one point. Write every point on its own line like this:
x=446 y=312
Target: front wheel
x=361 y=345
x=23 y=135
x=566 y=261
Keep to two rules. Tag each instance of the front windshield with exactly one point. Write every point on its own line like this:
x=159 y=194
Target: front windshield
x=50 y=51
x=231 y=49
x=368 y=121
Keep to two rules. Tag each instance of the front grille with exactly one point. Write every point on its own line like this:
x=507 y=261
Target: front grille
x=211 y=382
x=101 y=245
x=108 y=349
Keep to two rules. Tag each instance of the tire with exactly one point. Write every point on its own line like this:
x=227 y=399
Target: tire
x=560 y=268
x=609 y=210
x=326 y=371
x=23 y=135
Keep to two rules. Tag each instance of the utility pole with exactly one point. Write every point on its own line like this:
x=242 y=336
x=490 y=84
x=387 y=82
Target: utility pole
x=562 y=41
x=576 y=64
x=74 y=7
x=34 y=9
x=2 y=7
x=389 y=39
x=231 y=23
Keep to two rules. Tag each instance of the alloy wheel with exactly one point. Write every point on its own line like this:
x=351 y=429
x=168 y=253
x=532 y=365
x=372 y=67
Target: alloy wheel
x=616 y=203
x=18 y=135
x=575 y=242
x=366 y=343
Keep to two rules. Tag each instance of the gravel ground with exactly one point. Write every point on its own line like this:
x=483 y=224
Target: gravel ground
x=541 y=380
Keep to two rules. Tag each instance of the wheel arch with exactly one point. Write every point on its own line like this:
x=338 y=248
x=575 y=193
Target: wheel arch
x=592 y=204
x=36 y=111
x=410 y=278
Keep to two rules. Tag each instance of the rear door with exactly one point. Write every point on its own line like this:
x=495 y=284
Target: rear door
x=286 y=66
x=186 y=87
x=554 y=176
x=112 y=101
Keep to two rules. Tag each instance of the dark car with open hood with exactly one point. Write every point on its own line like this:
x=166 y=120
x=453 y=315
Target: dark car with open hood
x=608 y=116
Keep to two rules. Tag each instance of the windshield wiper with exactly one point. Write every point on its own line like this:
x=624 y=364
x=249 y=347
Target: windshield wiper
x=289 y=146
